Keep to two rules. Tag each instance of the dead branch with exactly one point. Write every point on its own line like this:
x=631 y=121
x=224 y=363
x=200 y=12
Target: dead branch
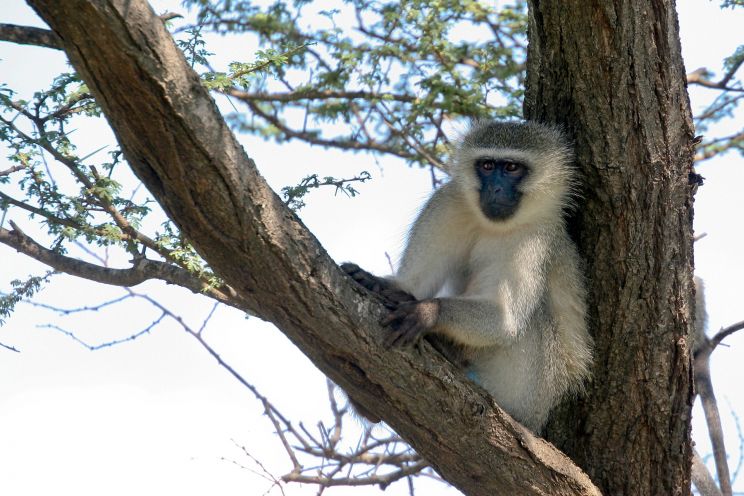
x=8 y=347
x=704 y=482
x=704 y=388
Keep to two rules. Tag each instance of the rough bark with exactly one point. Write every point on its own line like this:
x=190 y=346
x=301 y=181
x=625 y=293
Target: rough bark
x=26 y=35
x=612 y=74
x=178 y=144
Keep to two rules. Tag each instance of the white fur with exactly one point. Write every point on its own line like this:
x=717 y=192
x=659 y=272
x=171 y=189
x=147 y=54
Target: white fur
x=510 y=291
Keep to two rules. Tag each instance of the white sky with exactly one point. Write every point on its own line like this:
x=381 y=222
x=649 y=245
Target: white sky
x=157 y=415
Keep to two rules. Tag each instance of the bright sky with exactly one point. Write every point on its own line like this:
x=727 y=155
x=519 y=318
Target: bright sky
x=157 y=415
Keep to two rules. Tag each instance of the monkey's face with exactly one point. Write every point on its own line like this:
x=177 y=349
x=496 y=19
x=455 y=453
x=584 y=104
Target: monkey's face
x=499 y=186
x=513 y=174
x=511 y=188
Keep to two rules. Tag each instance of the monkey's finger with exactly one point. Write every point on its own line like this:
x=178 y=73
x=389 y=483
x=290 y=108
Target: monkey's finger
x=397 y=295
x=356 y=272
x=399 y=319
x=412 y=335
x=401 y=339
x=390 y=340
x=389 y=304
x=398 y=339
x=392 y=317
x=393 y=339
x=403 y=329
x=368 y=281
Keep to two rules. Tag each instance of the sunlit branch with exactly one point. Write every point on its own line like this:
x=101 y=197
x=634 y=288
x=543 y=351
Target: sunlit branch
x=264 y=473
x=407 y=462
x=704 y=388
x=54 y=218
x=724 y=333
x=27 y=35
x=409 y=140
x=718 y=106
x=378 y=480
x=69 y=107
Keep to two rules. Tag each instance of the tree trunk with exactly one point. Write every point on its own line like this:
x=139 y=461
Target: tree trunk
x=611 y=73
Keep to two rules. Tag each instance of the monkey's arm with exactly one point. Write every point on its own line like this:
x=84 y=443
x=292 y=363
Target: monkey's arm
x=471 y=322
x=437 y=244
x=477 y=323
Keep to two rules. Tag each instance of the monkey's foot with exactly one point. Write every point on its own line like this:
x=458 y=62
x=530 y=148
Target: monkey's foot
x=391 y=294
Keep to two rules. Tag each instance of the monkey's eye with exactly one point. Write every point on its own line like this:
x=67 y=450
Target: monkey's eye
x=512 y=167
x=486 y=164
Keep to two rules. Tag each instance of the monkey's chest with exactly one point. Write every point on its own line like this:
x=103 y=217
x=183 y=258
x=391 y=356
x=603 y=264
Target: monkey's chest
x=483 y=273
x=497 y=264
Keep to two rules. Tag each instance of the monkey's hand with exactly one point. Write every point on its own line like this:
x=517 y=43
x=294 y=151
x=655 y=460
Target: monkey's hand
x=392 y=295
x=411 y=321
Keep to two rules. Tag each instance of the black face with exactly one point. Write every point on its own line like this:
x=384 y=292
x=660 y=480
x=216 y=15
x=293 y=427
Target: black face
x=499 y=178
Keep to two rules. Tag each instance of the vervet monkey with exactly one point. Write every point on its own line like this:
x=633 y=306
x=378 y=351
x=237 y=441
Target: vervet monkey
x=490 y=267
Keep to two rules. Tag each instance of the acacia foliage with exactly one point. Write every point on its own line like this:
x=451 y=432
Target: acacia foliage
x=383 y=77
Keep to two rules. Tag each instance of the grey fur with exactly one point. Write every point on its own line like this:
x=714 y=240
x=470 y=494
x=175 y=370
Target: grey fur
x=510 y=292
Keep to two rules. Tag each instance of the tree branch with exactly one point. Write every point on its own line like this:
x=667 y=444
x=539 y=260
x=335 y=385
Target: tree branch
x=143 y=269
x=701 y=477
x=700 y=78
x=128 y=231
x=8 y=347
x=311 y=94
x=724 y=333
x=180 y=147
x=716 y=146
x=704 y=347
x=51 y=217
x=342 y=144
x=704 y=388
x=26 y=35
x=11 y=170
